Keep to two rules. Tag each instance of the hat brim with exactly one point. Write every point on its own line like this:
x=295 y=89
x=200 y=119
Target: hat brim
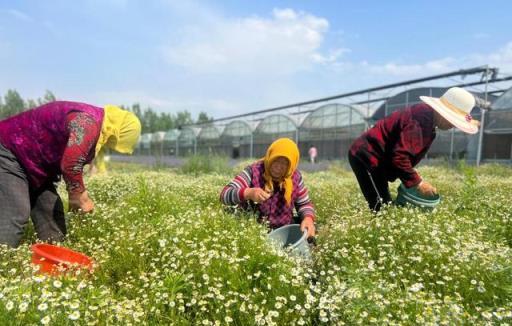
x=457 y=120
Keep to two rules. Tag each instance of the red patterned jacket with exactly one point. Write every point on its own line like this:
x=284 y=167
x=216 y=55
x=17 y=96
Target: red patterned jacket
x=397 y=143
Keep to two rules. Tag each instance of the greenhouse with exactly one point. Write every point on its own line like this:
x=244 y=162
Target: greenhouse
x=405 y=99
x=237 y=139
x=270 y=128
x=331 y=124
x=187 y=141
x=331 y=128
x=208 y=139
x=157 y=143
x=498 y=129
x=171 y=142
x=145 y=144
x=453 y=144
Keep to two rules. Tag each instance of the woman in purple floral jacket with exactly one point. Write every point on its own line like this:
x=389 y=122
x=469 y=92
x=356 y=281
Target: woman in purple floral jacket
x=39 y=146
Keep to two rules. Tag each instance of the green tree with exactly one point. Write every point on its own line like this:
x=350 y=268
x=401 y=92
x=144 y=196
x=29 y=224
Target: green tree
x=136 y=110
x=204 y=118
x=165 y=122
x=31 y=104
x=14 y=104
x=150 y=119
x=47 y=98
x=183 y=118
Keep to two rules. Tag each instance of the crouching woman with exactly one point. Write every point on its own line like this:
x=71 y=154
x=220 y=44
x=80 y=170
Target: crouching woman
x=273 y=187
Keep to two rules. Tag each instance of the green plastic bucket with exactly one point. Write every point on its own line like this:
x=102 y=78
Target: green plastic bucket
x=290 y=237
x=412 y=197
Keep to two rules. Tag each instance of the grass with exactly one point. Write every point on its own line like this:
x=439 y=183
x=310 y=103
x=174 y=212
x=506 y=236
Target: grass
x=168 y=253
x=196 y=165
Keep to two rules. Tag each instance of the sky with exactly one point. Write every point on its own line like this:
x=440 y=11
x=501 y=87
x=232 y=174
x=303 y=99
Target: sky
x=230 y=57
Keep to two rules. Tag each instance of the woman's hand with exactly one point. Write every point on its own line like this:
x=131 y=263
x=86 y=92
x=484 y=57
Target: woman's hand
x=80 y=201
x=257 y=195
x=426 y=189
x=308 y=223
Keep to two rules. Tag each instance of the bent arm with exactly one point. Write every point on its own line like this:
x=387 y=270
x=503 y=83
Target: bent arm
x=233 y=192
x=83 y=135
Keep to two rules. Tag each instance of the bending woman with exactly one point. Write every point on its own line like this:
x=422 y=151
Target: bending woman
x=39 y=146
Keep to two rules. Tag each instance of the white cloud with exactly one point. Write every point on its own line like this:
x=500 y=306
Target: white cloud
x=241 y=94
x=331 y=58
x=501 y=58
x=20 y=15
x=287 y=42
x=258 y=62
x=430 y=67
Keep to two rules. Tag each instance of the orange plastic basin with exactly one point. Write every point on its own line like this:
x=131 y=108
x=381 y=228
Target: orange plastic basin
x=52 y=258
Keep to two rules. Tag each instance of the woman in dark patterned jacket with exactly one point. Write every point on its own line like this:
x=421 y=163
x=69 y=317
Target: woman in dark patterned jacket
x=397 y=143
x=275 y=184
x=40 y=145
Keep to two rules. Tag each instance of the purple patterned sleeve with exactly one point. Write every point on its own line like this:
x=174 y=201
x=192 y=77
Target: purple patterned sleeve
x=83 y=136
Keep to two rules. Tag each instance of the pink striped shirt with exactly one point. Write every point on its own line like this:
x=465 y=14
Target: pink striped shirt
x=273 y=209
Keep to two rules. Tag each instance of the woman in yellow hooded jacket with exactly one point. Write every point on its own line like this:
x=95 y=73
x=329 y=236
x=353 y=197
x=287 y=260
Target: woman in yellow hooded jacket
x=39 y=146
x=273 y=186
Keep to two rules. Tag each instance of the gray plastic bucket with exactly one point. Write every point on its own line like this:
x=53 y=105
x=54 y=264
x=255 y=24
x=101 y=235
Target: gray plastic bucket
x=411 y=196
x=290 y=237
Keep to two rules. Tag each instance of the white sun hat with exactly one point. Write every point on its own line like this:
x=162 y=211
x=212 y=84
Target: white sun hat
x=455 y=106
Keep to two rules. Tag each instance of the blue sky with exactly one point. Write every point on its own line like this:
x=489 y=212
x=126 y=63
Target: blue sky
x=228 y=57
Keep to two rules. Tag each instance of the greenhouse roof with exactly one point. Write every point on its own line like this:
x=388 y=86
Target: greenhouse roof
x=405 y=99
x=210 y=132
x=504 y=102
x=276 y=123
x=239 y=128
x=188 y=133
x=412 y=96
x=158 y=136
x=145 y=138
x=171 y=135
x=331 y=116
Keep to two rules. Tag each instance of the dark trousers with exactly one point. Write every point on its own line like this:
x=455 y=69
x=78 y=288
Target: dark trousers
x=373 y=184
x=18 y=202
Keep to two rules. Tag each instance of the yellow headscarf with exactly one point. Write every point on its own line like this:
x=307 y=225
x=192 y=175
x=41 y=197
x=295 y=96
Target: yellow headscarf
x=283 y=147
x=120 y=130
x=99 y=162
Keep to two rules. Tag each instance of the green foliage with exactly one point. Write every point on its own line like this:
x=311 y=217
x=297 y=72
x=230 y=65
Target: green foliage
x=242 y=164
x=13 y=104
x=167 y=253
x=151 y=121
x=183 y=118
x=200 y=164
x=203 y=117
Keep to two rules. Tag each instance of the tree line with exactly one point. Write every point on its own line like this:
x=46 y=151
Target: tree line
x=12 y=103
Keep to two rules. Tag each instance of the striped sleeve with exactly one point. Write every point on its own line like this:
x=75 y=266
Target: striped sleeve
x=233 y=192
x=303 y=203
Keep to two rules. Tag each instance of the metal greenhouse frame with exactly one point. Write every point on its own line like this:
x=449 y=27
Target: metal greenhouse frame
x=331 y=128
x=332 y=123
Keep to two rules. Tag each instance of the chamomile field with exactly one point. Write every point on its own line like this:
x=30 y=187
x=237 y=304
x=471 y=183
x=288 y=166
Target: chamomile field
x=167 y=253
